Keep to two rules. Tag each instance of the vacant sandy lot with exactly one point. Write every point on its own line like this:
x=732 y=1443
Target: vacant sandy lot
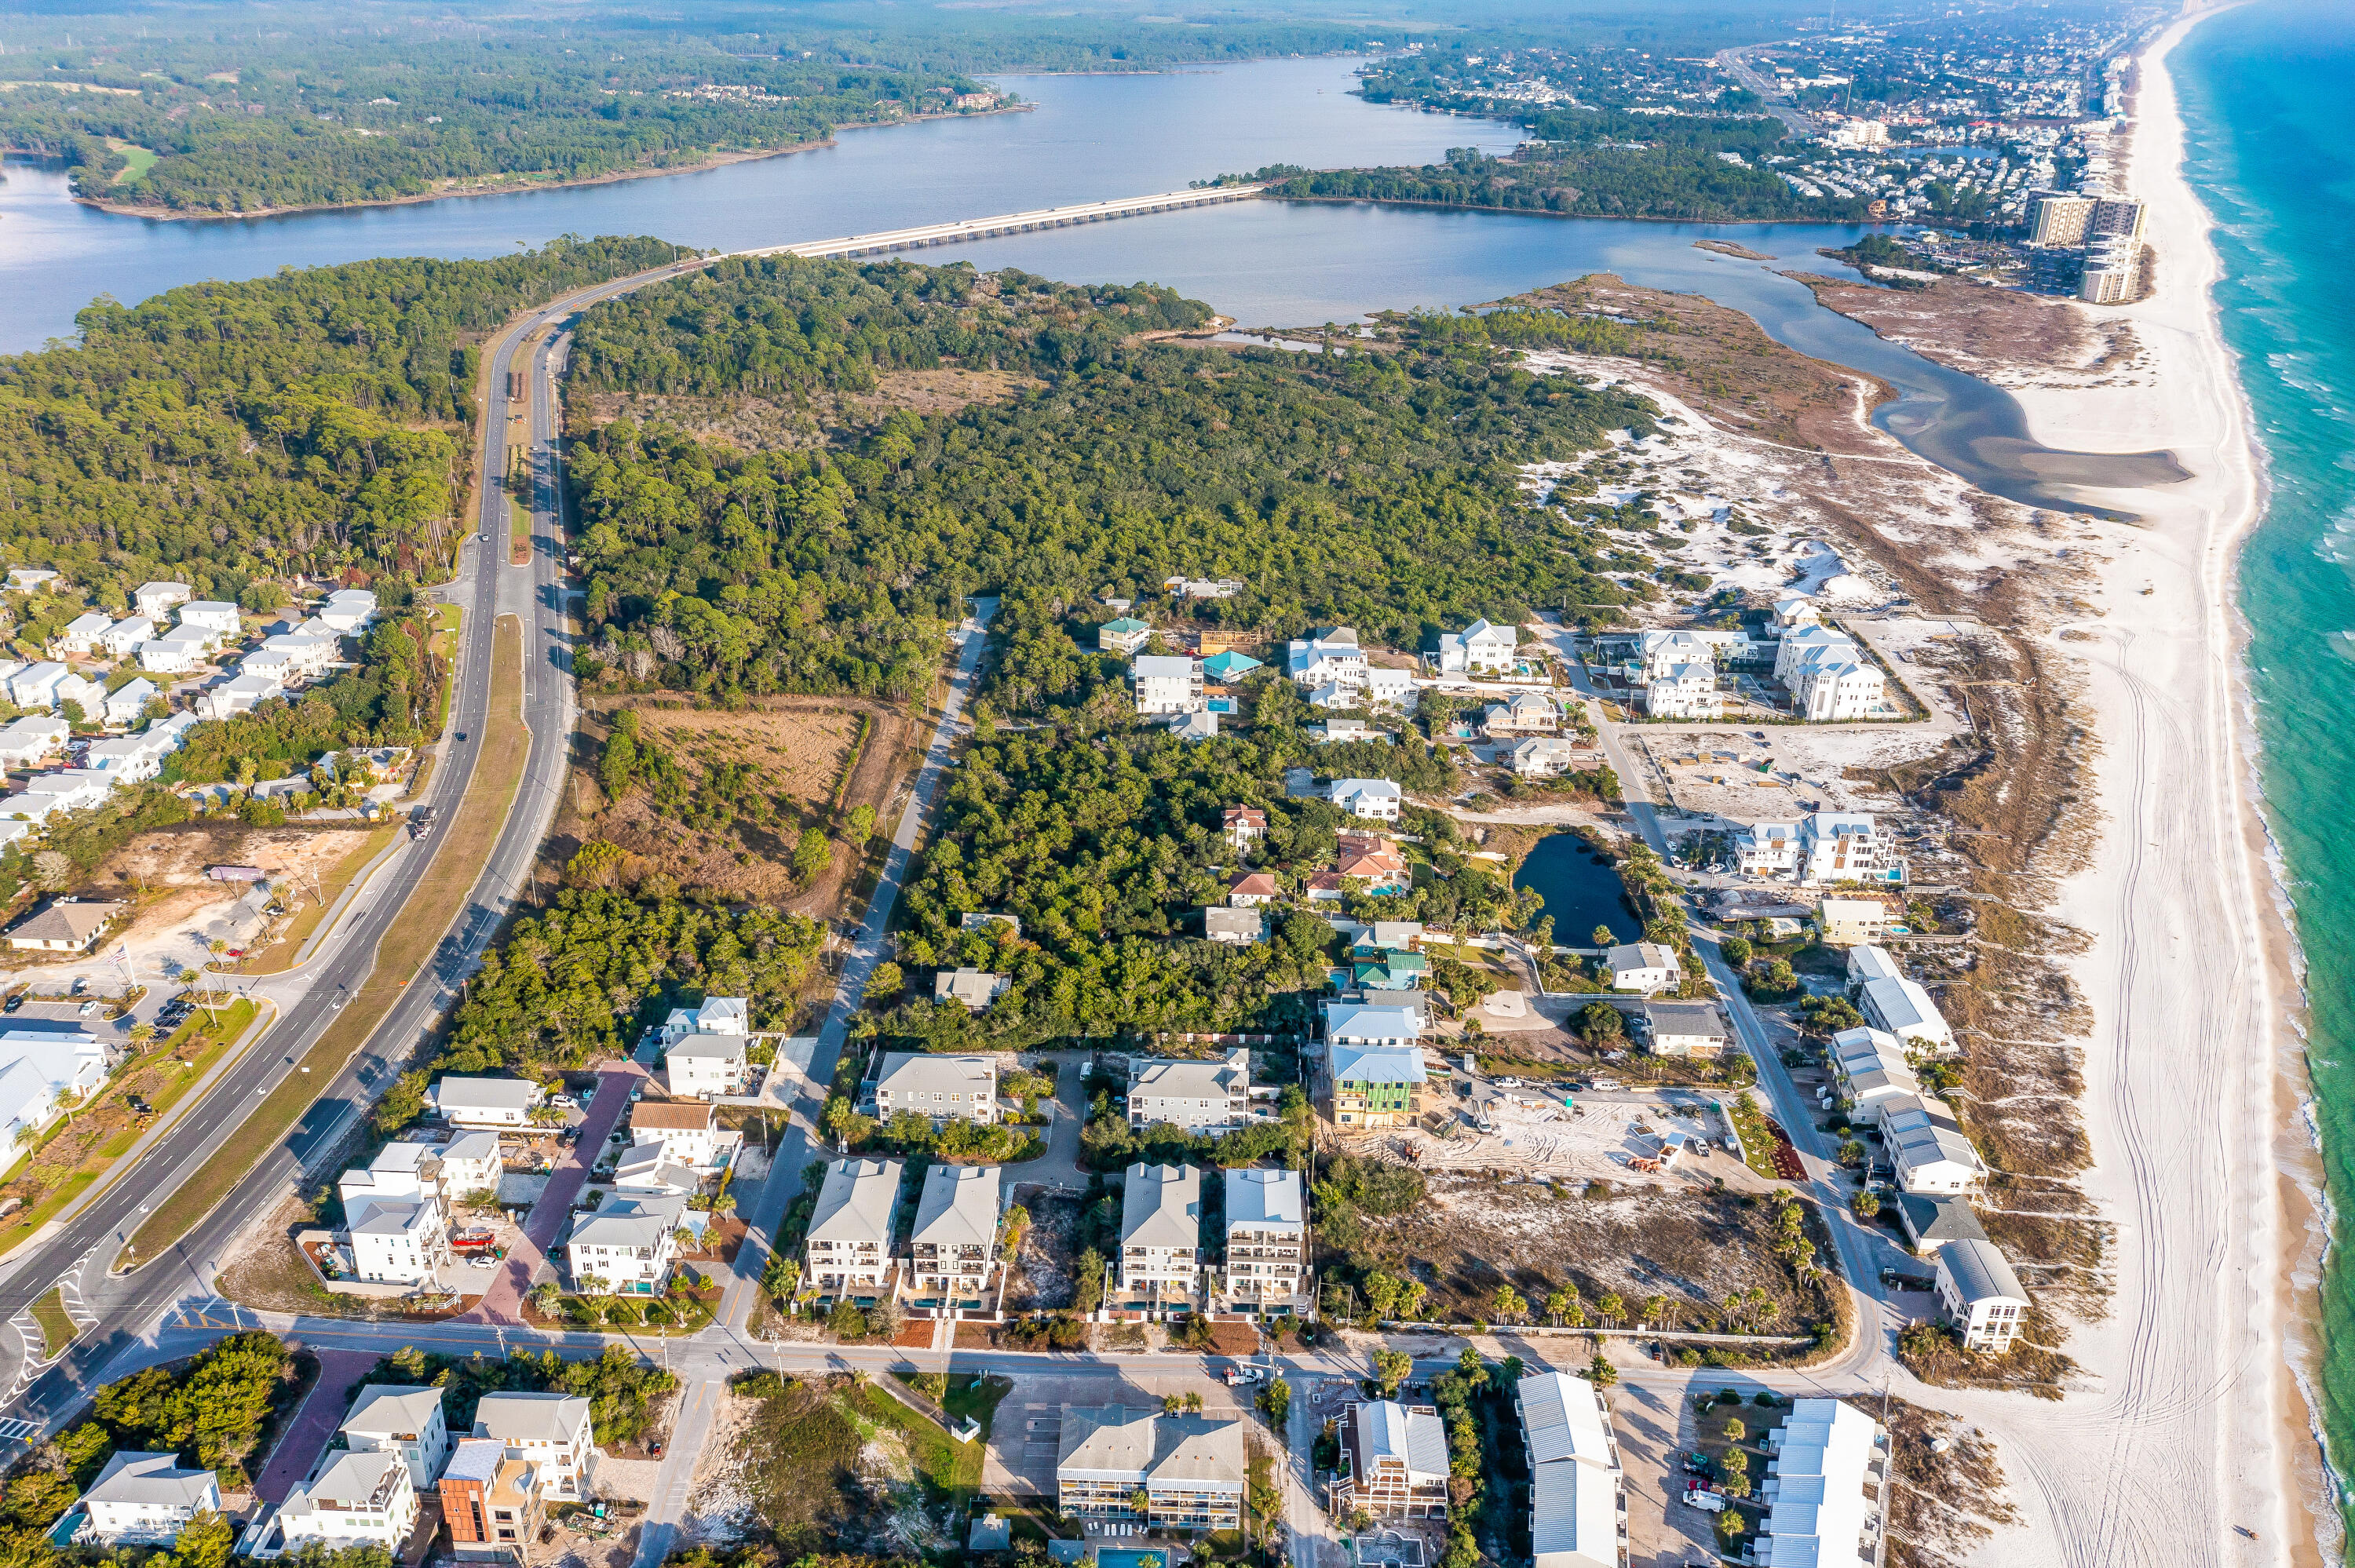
x=798 y=753
x=177 y=856
x=1681 y=1242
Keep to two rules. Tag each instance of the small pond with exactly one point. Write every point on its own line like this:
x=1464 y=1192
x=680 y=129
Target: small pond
x=1581 y=890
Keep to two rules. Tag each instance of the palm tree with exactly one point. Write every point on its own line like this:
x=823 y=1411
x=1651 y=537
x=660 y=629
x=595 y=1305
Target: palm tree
x=1612 y=1308
x=1557 y=1304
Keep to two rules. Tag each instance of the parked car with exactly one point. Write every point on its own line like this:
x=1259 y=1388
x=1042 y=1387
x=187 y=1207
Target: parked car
x=1697 y=1495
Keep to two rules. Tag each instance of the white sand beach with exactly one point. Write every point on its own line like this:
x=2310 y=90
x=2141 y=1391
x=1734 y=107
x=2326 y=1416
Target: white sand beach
x=2192 y=1426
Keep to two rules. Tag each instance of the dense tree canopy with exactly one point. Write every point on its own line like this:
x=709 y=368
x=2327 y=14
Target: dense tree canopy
x=1656 y=177
x=311 y=422
x=312 y=119
x=1376 y=489
x=577 y=980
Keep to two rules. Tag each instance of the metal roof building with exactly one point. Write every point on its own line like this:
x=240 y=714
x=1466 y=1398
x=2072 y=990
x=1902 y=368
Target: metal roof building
x=1577 y=1491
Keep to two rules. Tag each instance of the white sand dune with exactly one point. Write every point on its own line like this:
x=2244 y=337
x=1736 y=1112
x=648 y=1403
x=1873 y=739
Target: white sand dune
x=2191 y=1427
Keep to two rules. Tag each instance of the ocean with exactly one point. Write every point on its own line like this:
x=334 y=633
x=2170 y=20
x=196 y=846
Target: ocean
x=2267 y=92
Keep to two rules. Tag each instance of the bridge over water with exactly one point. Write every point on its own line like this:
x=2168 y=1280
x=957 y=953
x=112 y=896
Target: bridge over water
x=972 y=228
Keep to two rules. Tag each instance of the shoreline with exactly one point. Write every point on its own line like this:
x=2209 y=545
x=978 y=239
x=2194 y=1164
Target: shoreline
x=2200 y=1422
x=1577 y=217
x=701 y=165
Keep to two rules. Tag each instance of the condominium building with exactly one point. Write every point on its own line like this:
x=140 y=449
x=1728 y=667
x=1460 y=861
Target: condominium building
x=945 y=1088
x=952 y=1251
x=1160 y=1233
x=1823 y=1486
x=1200 y=1096
x=1190 y=1469
x=1578 y=1490
x=1267 y=1241
x=849 y=1239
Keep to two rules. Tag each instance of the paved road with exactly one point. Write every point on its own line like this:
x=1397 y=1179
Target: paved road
x=83 y=1248
x=503 y=1302
x=1861 y=1251
x=800 y=1143
x=1736 y=64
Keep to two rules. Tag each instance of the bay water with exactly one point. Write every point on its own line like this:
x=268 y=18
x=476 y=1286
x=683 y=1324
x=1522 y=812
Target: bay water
x=1264 y=263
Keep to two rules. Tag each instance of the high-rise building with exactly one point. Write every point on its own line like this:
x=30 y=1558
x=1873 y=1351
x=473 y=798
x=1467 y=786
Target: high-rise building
x=2061 y=220
x=2111 y=271
x=2115 y=218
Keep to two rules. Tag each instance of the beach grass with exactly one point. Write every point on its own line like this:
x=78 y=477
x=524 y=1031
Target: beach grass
x=472 y=832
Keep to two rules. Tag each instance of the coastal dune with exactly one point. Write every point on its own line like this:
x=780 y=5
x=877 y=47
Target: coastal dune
x=2188 y=1435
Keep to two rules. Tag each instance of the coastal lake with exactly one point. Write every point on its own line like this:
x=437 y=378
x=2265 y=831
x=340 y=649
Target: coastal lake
x=1088 y=138
x=1581 y=889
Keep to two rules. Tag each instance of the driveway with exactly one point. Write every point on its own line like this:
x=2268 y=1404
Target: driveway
x=1059 y=1166
x=314 y=1423
x=503 y=1302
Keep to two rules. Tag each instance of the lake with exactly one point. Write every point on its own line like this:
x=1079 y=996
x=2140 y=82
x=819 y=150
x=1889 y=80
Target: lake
x=1581 y=891
x=1088 y=138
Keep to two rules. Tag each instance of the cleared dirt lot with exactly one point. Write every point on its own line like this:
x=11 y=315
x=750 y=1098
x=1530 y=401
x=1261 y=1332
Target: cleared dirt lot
x=780 y=764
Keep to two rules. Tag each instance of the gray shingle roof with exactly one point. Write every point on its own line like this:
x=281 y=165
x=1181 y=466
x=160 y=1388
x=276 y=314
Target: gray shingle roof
x=959 y=1206
x=530 y=1417
x=1116 y=1442
x=133 y=1476
x=392 y=1407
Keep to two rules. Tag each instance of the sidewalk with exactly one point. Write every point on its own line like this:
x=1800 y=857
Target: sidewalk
x=503 y=1302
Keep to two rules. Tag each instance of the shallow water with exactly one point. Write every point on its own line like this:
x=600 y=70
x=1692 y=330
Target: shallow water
x=2268 y=96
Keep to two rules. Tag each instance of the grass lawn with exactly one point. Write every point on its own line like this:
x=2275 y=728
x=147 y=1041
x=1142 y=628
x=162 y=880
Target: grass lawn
x=518 y=532
x=281 y=956
x=57 y=1328
x=139 y=161
x=215 y=1042
x=472 y=831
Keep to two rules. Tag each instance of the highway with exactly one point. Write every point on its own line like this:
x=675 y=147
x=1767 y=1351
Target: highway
x=83 y=1248
x=168 y=1308
x=965 y=229
x=1736 y=64
x=80 y=1248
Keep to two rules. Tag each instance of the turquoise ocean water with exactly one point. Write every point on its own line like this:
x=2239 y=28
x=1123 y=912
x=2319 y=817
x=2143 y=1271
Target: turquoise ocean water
x=2268 y=99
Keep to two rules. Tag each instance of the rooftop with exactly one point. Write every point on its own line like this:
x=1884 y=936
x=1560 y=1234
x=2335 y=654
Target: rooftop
x=1161 y=1206
x=530 y=1417
x=1263 y=1198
